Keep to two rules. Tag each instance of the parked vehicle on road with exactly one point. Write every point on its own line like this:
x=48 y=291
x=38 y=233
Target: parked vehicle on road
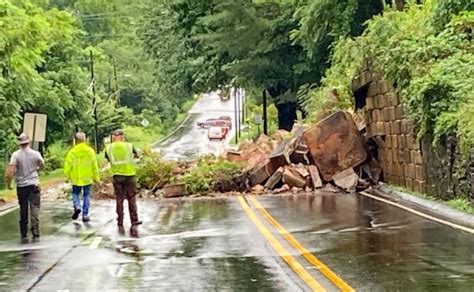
x=217 y=133
x=227 y=119
x=206 y=124
x=224 y=122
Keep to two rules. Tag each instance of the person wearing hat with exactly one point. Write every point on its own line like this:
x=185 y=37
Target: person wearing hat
x=24 y=165
x=81 y=169
x=121 y=156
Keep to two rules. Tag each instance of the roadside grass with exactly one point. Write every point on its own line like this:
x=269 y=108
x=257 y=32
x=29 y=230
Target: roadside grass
x=460 y=203
x=141 y=137
x=47 y=180
x=184 y=111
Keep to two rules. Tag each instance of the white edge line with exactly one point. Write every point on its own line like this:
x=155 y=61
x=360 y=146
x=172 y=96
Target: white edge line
x=96 y=242
x=421 y=214
x=164 y=139
x=9 y=210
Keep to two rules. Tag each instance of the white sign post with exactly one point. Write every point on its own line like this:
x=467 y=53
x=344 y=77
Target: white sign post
x=34 y=125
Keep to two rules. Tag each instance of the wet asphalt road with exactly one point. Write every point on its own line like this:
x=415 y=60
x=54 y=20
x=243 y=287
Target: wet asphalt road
x=189 y=141
x=213 y=245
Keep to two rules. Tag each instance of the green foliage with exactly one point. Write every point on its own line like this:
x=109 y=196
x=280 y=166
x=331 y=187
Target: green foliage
x=434 y=72
x=335 y=90
x=466 y=125
x=322 y=22
x=152 y=172
x=54 y=156
x=431 y=66
x=167 y=33
x=202 y=178
x=3 y=182
x=443 y=10
x=461 y=204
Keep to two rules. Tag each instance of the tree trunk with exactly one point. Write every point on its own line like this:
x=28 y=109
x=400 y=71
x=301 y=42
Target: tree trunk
x=399 y=4
x=286 y=115
x=264 y=105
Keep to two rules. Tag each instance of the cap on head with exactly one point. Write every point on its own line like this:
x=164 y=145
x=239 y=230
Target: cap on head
x=23 y=139
x=118 y=132
x=80 y=137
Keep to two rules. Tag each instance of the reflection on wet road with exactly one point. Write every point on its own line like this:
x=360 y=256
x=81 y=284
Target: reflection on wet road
x=213 y=245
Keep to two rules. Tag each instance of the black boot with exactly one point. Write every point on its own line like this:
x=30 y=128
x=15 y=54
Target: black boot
x=23 y=231
x=76 y=213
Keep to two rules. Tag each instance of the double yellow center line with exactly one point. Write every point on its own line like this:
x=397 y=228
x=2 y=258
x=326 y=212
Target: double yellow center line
x=285 y=255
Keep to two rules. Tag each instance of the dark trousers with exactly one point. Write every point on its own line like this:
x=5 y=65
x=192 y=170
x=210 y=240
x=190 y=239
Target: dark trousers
x=124 y=187
x=29 y=198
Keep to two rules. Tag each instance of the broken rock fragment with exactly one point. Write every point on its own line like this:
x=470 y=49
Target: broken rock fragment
x=292 y=177
x=315 y=178
x=275 y=179
x=335 y=144
x=346 y=180
x=174 y=190
x=257 y=190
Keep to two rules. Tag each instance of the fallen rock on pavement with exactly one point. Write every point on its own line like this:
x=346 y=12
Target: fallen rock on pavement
x=346 y=179
x=335 y=144
x=174 y=190
x=315 y=178
x=293 y=178
x=285 y=188
x=275 y=179
x=257 y=190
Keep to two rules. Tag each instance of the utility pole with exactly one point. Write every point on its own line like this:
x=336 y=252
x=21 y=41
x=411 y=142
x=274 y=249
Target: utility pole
x=117 y=98
x=238 y=108
x=243 y=104
x=236 y=115
x=265 y=124
x=94 y=103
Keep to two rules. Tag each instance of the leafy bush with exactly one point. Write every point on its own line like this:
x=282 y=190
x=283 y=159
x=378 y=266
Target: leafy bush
x=207 y=173
x=152 y=172
x=54 y=156
x=3 y=165
x=431 y=65
x=335 y=90
x=462 y=204
x=433 y=71
x=466 y=126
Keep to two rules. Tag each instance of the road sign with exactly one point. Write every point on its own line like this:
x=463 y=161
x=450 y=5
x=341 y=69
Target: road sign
x=145 y=123
x=34 y=125
x=257 y=118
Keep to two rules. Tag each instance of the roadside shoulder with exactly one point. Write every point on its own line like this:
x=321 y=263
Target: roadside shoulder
x=433 y=208
x=7 y=207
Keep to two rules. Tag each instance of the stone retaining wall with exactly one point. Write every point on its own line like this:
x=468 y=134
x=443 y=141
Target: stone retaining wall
x=407 y=161
x=399 y=149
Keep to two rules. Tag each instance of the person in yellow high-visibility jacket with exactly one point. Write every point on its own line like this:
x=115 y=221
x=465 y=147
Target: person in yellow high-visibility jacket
x=82 y=170
x=121 y=156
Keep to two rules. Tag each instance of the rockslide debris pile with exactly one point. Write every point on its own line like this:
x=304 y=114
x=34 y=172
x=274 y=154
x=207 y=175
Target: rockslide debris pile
x=333 y=152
